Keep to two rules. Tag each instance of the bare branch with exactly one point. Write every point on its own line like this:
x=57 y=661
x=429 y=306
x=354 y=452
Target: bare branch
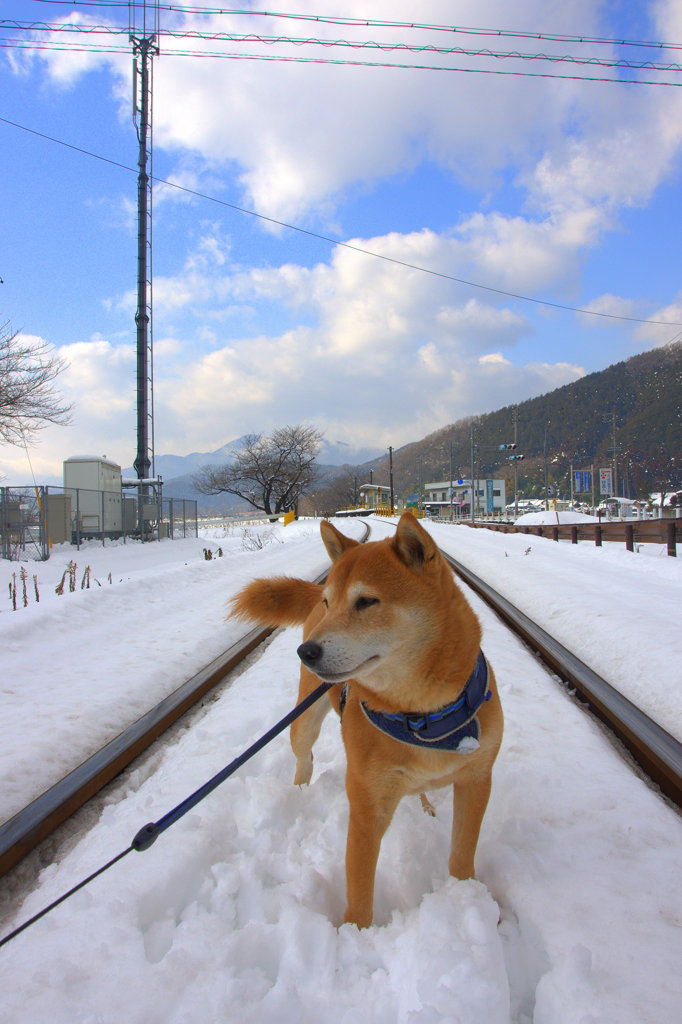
x=28 y=398
x=270 y=473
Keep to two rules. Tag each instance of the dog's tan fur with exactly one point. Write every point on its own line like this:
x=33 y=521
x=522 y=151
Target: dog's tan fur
x=391 y=622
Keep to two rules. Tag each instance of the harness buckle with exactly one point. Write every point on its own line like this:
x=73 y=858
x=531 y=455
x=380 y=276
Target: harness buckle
x=415 y=724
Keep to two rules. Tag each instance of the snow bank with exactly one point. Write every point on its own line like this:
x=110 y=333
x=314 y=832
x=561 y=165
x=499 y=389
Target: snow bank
x=554 y=518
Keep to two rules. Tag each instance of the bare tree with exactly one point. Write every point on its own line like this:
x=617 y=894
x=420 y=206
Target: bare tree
x=28 y=399
x=271 y=473
x=343 y=491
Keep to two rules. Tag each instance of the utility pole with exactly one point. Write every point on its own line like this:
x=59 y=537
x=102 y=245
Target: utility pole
x=471 y=503
x=515 y=419
x=419 y=483
x=615 y=458
x=145 y=46
x=544 y=449
x=390 y=470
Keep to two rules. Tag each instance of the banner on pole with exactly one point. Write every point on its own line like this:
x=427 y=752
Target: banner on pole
x=582 y=481
x=606 y=481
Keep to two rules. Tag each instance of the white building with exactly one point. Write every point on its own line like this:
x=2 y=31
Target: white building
x=375 y=495
x=490 y=497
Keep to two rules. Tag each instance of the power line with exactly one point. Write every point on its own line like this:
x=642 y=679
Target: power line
x=280 y=58
x=387 y=47
x=188 y=9
x=271 y=40
x=345 y=245
x=77 y=28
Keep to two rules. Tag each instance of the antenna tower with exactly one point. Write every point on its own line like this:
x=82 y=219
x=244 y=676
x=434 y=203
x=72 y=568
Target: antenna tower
x=143 y=28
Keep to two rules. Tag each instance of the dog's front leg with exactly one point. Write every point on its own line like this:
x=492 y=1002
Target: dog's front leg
x=470 y=799
x=369 y=817
x=306 y=728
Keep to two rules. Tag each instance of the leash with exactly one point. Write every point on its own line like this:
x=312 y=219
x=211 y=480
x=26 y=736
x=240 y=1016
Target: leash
x=149 y=833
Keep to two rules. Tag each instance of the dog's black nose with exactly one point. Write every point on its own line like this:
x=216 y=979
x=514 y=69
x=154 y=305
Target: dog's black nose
x=309 y=653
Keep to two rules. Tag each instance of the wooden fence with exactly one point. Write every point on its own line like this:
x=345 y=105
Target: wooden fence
x=645 y=531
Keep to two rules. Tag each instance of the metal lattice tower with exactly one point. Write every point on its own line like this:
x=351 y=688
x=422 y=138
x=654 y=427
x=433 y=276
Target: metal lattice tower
x=144 y=35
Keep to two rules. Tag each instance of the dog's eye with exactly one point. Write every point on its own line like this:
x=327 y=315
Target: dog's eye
x=365 y=602
x=325 y=602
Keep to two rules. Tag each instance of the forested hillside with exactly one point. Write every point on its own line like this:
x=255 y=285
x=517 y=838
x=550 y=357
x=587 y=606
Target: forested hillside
x=639 y=402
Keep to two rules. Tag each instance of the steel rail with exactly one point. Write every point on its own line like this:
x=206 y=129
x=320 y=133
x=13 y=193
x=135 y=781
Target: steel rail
x=23 y=832
x=657 y=752
x=31 y=825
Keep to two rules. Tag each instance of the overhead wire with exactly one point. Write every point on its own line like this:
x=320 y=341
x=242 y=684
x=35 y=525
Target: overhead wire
x=86 y=28
x=47 y=39
x=206 y=11
x=178 y=33
x=345 y=245
x=48 y=31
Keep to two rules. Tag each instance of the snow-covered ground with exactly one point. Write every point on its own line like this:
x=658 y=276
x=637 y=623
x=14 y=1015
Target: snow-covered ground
x=234 y=914
x=554 y=518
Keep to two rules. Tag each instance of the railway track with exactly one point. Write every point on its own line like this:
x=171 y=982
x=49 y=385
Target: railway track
x=657 y=753
x=35 y=822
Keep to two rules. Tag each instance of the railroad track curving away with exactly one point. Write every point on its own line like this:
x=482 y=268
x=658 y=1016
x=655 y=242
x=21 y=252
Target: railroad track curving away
x=658 y=753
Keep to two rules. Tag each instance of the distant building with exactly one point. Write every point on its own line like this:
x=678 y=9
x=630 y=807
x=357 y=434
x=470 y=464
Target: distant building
x=375 y=495
x=490 y=497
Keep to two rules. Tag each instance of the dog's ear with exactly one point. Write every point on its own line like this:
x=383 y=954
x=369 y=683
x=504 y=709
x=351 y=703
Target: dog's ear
x=413 y=545
x=336 y=543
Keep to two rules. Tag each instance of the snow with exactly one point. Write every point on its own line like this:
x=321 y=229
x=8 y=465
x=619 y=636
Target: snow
x=554 y=518
x=235 y=913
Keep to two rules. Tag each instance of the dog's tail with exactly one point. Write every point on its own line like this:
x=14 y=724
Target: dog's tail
x=278 y=601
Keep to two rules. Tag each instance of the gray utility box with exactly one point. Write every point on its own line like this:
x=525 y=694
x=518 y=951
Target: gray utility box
x=95 y=487
x=59 y=518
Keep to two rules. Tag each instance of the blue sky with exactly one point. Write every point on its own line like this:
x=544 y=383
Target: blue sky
x=553 y=188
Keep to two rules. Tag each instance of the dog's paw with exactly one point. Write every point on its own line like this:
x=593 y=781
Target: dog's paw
x=427 y=806
x=304 y=772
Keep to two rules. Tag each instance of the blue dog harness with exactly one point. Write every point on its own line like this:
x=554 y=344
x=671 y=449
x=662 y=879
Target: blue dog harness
x=444 y=729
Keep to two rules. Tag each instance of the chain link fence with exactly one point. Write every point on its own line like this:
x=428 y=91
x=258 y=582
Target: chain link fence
x=32 y=519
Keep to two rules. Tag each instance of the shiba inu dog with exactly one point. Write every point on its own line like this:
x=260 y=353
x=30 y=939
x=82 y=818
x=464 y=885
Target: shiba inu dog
x=418 y=702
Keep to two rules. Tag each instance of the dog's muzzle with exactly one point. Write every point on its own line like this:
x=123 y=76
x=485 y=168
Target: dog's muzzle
x=310 y=654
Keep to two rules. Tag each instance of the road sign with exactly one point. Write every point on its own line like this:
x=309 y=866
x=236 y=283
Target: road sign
x=606 y=481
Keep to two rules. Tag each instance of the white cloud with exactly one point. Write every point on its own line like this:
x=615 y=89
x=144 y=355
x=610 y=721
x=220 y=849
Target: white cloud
x=390 y=392
x=608 y=306
x=99 y=379
x=391 y=353
x=666 y=332
x=300 y=135
x=372 y=351
x=388 y=350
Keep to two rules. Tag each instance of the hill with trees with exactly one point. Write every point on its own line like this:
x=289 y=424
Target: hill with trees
x=634 y=406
